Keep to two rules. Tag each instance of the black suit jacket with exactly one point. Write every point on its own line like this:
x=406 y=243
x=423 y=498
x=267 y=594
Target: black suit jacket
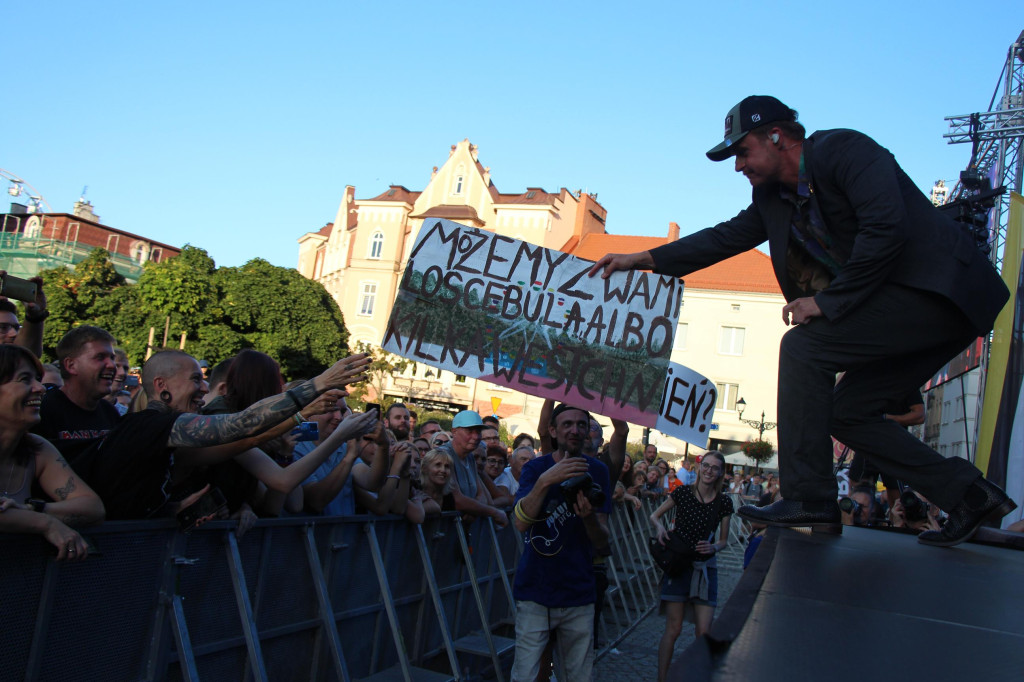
x=875 y=214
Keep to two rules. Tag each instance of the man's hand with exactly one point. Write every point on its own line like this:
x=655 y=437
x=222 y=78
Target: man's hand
x=582 y=507
x=567 y=468
x=803 y=311
x=621 y=261
x=38 y=306
x=500 y=517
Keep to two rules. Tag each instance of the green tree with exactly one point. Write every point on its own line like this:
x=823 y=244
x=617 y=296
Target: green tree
x=221 y=311
x=382 y=365
x=283 y=314
x=80 y=296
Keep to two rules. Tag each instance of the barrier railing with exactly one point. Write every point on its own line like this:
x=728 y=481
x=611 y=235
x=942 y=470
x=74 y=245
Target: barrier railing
x=303 y=598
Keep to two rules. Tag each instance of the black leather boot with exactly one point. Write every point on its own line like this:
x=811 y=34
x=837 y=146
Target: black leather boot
x=983 y=500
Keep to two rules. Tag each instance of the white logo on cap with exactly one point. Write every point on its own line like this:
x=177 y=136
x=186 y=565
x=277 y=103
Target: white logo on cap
x=755 y=118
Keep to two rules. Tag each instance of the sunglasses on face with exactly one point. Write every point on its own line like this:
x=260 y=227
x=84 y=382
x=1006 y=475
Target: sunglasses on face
x=6 y=327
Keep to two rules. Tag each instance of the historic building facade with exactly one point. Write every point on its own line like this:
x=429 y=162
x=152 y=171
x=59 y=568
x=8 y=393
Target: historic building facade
x=37 y=241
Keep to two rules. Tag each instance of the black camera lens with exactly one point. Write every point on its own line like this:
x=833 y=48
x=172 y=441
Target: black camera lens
x=914 y=509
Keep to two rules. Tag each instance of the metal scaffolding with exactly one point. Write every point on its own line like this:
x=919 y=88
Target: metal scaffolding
x=996 y=138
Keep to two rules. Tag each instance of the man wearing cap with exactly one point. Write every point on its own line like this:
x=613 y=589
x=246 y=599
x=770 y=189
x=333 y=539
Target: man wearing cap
x=878 y=283
x=469 y=490
x=554 y=587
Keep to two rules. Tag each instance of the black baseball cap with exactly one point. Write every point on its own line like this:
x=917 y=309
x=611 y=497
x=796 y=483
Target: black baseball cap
x=753 y=112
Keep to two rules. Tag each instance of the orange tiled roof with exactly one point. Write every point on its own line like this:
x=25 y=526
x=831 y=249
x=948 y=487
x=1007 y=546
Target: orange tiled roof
x=748 y=271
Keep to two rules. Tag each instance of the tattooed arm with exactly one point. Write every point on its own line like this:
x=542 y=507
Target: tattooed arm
x=196 y=431
x=76 y=504
x=185 y=459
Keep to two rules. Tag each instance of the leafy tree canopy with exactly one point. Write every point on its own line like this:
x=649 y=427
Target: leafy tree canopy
x=220 y=310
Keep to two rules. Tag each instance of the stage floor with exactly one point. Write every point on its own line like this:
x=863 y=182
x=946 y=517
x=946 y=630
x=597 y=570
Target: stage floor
x=864 y=604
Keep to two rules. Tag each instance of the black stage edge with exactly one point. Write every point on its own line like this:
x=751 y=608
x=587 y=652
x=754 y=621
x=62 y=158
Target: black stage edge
x=850 y=607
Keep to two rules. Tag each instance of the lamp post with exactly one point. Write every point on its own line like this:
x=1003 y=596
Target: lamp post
x=761 y=425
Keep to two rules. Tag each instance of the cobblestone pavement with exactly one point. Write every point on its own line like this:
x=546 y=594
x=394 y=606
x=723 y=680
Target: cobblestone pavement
x=636 y=657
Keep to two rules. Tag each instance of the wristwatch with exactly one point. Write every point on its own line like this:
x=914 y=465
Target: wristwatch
x=36 y=505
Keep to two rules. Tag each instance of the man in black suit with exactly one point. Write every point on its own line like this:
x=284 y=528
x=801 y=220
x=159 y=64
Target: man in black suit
x=878 y=282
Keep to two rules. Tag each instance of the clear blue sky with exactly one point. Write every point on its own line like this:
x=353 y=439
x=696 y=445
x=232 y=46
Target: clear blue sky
x=236 y=126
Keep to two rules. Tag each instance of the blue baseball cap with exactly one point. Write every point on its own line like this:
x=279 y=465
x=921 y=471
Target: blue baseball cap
x=467 y=419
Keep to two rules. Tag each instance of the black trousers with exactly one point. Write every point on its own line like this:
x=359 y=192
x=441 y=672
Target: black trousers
x=891 y=344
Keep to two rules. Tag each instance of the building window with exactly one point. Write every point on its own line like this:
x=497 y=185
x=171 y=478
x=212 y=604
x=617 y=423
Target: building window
x=367 y=297
x=459 y=180
x=681 y=332
x=376 y=245
x=728 y=394
x=460 y=378
x=140 y=252
x=732 y=341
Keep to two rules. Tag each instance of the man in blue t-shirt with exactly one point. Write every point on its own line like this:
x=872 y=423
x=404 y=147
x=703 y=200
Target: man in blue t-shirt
x=554 y=586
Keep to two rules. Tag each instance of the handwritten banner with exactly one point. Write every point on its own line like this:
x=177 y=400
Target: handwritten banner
x=519 y=315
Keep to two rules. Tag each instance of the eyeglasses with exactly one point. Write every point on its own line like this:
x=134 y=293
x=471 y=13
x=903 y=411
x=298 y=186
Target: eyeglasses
x=494 y=461
x=6 y=327
x=440 y=441
x=711 y=467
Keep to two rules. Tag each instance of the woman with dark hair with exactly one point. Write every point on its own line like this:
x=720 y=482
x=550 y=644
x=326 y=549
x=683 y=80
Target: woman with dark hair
x=625 y=482
x=252 y=377
x=524 y=439
x=702 y=513
x=27 y=460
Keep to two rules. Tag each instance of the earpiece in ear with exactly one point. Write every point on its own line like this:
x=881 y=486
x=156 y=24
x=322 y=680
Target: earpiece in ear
x=774 y=137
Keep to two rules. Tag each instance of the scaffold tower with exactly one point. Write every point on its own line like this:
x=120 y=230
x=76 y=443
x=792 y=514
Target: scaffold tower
x=996 y=137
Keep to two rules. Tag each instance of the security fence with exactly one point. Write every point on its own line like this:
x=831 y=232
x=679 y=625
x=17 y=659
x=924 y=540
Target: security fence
x=303 y=598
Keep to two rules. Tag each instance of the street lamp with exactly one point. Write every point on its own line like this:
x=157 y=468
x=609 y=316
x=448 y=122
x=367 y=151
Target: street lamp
x=761 y=426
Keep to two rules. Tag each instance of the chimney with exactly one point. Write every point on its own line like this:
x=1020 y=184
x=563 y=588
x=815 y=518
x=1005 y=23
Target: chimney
x=673 y=231
x=83 y=209
x=352 y=214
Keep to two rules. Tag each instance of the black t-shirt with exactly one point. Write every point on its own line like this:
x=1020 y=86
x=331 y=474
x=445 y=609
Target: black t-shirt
x=237 y=484
x=903 y=405
x=70 y=428
x=694 y=518
x=130 y=469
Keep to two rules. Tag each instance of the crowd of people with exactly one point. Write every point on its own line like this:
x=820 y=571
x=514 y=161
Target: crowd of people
x=85 y=439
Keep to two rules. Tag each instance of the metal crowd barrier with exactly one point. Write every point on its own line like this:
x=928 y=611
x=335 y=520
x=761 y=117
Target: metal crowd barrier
x=302 y=598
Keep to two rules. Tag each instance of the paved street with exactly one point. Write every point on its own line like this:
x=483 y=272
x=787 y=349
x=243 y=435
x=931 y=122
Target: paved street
x=637 y=657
